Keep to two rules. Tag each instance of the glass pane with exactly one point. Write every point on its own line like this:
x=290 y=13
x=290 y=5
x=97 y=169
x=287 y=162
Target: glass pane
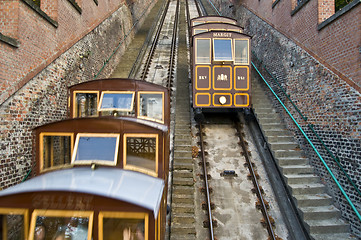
x=241 y=51
x=120 y=228
x=96 y=149
x=203 y=51
x=86 y=104
x=223 y=50
x=141 y=152
x=196 y=31
x=151 y=105
x=61 y=228
x=12 y=227
x=117 y=101
x=56 y=151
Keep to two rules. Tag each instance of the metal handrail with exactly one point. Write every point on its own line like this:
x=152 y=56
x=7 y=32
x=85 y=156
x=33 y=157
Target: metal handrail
x=310 y=142
x=310 y=126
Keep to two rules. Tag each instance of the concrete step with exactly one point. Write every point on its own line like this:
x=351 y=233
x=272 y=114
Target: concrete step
x=182 y=237
x=184 y=160
x=283 y=162
x=272 y=115
x=182 y=148
x=284 y=146
x=182 y=154
x=287 y=153
x=183 y=173
x=307 y=189
x=183 y=218
x=182 y=130
x=183 y=199
x=183 y=136
x=178 y=141
x=285 y=138
x=183 y=181
x=182 y=208
x=333 y=236
x=183 y=190
x=319 y=213
x=182 y=166
x=328 y=226
x=276 y=132
x=297 y=169
x=262 y=109
x=321 y=199
x=266 y=120
x=183 y=229
x=301 y=178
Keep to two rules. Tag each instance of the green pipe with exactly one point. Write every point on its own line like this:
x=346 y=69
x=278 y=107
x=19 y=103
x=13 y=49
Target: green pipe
x=318 y=137
x=309 y=141
x=27 y=175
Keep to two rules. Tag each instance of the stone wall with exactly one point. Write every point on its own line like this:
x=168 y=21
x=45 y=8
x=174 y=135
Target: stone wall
x=43 y=98
x=330 y=104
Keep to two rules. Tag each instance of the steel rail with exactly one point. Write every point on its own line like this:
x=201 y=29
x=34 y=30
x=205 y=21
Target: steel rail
x=211 y=232
x=154 y=44
x=198 y=7
x=255 y=183
x=173 y=47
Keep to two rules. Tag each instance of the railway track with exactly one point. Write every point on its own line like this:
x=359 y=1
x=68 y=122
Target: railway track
x=233 y=195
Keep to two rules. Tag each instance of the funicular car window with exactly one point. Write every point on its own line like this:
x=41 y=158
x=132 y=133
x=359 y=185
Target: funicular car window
x=222 y=50
x=61 y=225
x=55 y=149
x=111 y=101
x=151 y=106
x=203 y=51
x=123 y=225
x=13 y=223
x=241 y=51
x=195 y=23
x=97 y=148
x=196 y=31
x=85 y=103
x=141 y=153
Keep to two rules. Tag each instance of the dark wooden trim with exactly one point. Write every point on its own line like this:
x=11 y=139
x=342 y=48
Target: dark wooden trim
x=299 y=6
x=9 y=40
x=338 y=14
x=37 y=9
x=75 y=5
x=275 y=3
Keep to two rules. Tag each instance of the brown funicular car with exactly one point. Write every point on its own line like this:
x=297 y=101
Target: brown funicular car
x=102 y=174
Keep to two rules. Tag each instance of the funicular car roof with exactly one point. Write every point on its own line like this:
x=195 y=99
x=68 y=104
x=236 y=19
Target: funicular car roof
x=123 y=185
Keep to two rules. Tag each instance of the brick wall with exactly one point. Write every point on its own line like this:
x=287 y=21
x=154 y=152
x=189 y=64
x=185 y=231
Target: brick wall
x=337 y=45
x=330 y=103
x=80 y=53
x=9 y=18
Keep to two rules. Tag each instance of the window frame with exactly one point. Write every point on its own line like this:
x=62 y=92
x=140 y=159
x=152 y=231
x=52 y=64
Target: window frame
x=232 y=50
x=248 y=55
x=99 y=109
x=75 y=115
x=137 y=168
x=60 y=213
x=41 y=148
x=210 y=51
x=149 y=118
x=16 y=211
x=123 y=215
x=102 y=162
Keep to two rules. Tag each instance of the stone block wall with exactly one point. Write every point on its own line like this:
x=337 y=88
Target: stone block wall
x=332 y=105
x=43 y=98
